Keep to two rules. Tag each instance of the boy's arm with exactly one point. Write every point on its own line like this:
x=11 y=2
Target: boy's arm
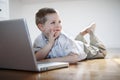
x=71 y=58
x=42 y=53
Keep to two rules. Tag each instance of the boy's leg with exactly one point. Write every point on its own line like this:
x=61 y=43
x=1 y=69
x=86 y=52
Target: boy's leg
x=80 y=37
x=96 y=49
x=87 y=48
x=96 y=46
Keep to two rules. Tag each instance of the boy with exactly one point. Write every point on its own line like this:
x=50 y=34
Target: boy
x=52 y=45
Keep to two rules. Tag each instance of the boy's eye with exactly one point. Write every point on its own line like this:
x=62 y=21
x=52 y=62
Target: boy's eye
x=55 y=22
x=59 y=21
x=52 y=22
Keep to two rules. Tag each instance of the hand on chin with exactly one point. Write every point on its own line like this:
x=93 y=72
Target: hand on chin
x=56 y=35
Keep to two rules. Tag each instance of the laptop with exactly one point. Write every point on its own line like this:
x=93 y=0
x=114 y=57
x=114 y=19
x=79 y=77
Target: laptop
x=16 y=50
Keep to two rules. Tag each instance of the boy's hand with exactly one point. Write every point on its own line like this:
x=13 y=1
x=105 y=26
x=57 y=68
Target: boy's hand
x=52 y=36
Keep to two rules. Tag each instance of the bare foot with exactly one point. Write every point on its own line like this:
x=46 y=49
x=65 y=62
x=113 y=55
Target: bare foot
x=90 y=28
x=83 y=32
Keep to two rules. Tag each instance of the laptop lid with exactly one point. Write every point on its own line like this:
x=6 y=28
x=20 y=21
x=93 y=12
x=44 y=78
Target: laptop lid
x=15 y=46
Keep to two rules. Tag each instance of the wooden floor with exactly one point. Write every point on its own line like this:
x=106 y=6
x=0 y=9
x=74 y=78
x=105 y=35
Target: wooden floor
x=97 y=69
x=101 y=69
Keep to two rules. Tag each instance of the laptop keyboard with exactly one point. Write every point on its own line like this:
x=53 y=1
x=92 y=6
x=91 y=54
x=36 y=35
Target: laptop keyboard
x=49 y=65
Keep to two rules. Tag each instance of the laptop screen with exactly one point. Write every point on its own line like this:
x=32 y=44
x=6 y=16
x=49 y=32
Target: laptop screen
x=15 y=45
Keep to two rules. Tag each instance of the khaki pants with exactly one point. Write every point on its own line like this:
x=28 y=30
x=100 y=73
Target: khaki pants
x=95 y=49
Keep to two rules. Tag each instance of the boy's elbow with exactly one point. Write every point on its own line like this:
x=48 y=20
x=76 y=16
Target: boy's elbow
x=77 y=58
x=38 y=57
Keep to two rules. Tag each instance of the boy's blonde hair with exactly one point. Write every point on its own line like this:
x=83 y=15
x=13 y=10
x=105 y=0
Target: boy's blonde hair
x=40 y=16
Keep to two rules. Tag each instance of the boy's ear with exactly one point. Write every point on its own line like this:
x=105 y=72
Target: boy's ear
x=40 y=27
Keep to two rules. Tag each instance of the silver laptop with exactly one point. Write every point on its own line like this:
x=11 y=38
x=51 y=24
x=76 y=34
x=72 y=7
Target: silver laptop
x=16 y=48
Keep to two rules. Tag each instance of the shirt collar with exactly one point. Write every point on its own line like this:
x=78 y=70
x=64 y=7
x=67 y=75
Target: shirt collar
x=44 y=37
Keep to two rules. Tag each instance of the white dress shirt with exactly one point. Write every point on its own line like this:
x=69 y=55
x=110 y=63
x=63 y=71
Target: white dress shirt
x=62 y=47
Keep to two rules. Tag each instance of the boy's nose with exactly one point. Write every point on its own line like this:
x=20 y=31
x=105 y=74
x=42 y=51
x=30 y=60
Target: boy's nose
x=58 y=25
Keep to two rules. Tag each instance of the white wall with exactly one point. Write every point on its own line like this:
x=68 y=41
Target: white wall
x=4 y=9
x=76 y=15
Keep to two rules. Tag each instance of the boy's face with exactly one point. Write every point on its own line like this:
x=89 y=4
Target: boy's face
x=52 y=25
